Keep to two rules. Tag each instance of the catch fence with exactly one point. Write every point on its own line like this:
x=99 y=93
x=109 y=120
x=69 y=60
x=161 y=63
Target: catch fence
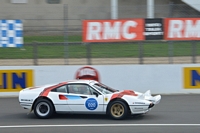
x=53 y=36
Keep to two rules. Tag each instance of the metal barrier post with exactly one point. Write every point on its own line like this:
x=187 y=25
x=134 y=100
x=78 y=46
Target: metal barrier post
x=170 y=9
x=66 y=47
x=140 y=52
x=194 y=52
x=35 y=53
x=88 y=53
x=171 y=49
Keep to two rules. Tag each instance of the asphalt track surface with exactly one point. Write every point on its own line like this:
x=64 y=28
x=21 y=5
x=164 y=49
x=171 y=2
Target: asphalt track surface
x=174 y=114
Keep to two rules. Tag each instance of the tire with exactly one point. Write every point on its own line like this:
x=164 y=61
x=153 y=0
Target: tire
x=118 y=110
x=43 y=109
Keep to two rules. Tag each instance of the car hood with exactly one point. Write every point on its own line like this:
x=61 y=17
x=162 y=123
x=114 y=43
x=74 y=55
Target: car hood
x=122 y=93
x=137 y=95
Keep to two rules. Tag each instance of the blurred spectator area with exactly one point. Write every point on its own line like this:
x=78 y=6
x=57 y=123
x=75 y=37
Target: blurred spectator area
x=47 y=17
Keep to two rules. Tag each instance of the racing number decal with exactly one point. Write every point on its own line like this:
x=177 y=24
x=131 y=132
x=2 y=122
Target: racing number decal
x=91 y=104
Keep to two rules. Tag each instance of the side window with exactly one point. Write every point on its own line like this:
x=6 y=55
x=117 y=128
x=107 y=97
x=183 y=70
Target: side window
x=61 y=89
x=80 y=89
x=92 y=91
x=72 y=88
x=85 y=89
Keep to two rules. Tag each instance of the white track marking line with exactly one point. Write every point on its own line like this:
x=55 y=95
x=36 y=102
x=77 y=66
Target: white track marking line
x=95 y=125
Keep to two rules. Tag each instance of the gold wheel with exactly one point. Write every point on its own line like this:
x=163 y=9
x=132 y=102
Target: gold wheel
x=117 y=110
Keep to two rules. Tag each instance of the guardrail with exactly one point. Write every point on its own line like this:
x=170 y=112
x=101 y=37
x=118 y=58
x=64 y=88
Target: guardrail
x=78 y=53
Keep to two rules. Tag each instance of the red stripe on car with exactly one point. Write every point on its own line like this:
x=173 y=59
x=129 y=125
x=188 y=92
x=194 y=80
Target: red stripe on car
x=121 y=94
x=62 y=97
x=46 y=91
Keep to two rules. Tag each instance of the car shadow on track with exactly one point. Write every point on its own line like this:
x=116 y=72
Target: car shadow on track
x=87 y=116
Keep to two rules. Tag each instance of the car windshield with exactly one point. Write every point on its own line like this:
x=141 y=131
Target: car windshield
x=104 y=89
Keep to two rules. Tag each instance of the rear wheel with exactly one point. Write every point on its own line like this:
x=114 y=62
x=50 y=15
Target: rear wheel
x=43 y=108
x=118 y=110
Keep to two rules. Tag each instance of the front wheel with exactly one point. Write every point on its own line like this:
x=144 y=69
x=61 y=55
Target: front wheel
x=43 y=108
x=118 y=110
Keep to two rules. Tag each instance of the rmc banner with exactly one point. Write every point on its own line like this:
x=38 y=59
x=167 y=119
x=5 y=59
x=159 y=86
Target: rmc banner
x=141 y=29
x=11 y=33
x=182 y=29
x=113 y=30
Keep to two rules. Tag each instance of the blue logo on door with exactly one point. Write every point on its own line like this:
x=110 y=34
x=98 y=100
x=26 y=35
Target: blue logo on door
x=91 y=104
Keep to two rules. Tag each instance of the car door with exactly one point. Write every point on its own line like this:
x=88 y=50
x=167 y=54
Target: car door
x=59 y=97
x=82 y=98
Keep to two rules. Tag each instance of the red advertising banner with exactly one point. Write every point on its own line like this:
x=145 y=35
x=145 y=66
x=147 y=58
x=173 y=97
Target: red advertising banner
x=182 y=29
x=113 y=30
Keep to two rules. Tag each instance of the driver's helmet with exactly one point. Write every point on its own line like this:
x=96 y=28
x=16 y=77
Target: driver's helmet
x=84 y=90
x=71 y=89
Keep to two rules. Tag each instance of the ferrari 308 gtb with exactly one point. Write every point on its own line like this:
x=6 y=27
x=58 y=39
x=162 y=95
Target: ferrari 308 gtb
x=85 y=96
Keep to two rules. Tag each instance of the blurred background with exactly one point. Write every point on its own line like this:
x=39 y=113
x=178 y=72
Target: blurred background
x=52 y=31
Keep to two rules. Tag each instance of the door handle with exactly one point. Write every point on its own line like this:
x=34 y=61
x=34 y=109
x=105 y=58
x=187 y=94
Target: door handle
x=83 y=97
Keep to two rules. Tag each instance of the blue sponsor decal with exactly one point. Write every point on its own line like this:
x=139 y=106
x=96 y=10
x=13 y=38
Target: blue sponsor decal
x=71 y=97
x=91 y=104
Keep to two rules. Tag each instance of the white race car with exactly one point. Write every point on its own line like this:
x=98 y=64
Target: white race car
x=85 y=96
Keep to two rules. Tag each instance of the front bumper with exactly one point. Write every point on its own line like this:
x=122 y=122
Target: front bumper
x=26 y=105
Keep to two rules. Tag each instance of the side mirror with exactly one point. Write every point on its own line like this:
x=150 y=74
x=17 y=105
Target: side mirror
x=96 y=94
